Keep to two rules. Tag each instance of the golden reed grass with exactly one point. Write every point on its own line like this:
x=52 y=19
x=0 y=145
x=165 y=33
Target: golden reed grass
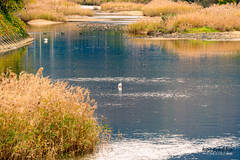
x=145 y=26
x=55 y=10
x=168 y=7
x=41 y=119
x=121 y=6
x=222 y=18
x=211 y=19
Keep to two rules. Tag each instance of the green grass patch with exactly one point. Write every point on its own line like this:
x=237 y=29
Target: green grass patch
x=201 y=30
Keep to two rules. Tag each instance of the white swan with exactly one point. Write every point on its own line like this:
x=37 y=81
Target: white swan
x=45 y=40
x=120 y=86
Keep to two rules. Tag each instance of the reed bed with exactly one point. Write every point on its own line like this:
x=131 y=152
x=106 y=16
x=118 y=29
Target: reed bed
x=212 y=19
x=121 y=6
x=222 y=18
x=145 y=26
x=168 y=7
x=53 y=10
x=99 y=2
x=40 y=119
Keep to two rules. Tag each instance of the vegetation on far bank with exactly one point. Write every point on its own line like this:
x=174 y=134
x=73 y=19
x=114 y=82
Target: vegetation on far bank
x=186 y=18
x=53 y=10
x=41 y=119
x=99 y=2
x=121 y=6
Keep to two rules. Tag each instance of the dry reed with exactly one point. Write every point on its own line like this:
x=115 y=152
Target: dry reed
x=168 y=7
x=53 y=10
x=40 y=119
x=222 y=18
x=145 y=26
x=121 y=6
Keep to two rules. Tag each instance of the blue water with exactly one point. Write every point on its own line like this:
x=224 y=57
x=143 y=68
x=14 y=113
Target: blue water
x=178 y=96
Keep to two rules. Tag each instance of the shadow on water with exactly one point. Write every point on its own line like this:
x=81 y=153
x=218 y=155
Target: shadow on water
x=178 y=97
x=13 y=61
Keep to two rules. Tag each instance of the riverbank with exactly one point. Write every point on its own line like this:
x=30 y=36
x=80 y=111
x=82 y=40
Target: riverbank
x=13 y=46
x=216 y=36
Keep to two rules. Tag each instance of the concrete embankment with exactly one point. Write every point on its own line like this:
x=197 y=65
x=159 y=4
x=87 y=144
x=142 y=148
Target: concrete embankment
x=8 y=45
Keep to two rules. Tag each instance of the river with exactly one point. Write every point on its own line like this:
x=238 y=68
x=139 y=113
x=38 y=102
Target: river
x=180 y=99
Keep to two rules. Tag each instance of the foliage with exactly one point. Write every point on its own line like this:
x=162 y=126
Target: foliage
x=226 y=1
x=41 y=119
x=11 y=5
x=11 y=25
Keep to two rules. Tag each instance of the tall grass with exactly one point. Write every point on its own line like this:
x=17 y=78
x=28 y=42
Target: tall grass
x=222 y=18
x=121 y=6
x=145 y=26
x=211 y=19
x=53 y=10
x=41 y=119
x=99 y=2
x=168 y=7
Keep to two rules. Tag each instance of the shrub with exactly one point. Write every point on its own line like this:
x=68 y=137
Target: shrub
x=41 y=119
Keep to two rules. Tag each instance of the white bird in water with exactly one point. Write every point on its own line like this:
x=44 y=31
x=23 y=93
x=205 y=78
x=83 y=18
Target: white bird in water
x=45 y=40
x=120 y=86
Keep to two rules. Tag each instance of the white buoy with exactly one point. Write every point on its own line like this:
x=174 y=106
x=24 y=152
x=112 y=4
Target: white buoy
x=120 y=86
x=45 y=39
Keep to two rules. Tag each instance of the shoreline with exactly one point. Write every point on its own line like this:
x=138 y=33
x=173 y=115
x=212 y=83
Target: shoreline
x=214 y=36
x=7 y=48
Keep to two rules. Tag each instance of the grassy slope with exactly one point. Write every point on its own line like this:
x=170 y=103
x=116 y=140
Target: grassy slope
x=11 y=25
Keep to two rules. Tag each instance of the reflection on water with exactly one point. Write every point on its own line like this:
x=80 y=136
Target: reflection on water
x=13 y=60
x=177 y=97
x=193 y=48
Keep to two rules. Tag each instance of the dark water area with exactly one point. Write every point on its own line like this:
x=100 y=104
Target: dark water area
x=178 y=97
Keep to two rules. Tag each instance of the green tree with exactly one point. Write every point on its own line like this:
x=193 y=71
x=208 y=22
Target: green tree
x=8 y=6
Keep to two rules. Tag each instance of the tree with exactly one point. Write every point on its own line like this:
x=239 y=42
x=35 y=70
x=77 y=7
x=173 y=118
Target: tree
x=8 y=6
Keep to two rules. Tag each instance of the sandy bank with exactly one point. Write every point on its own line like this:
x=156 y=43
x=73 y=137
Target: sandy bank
x=42 y=22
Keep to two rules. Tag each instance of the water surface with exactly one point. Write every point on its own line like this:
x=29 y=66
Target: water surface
x=178 y=96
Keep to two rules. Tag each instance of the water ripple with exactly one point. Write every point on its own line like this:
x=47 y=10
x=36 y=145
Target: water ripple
x=160 y=148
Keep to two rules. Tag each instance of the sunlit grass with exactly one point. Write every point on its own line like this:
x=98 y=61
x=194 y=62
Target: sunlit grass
x=121 y=6
x=145 y=26
x=221 y=18
x=53 y=10
x=41 y=119
x=213 y=19
x=168 y=7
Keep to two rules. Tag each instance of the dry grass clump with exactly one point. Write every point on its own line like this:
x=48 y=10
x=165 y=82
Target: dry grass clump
x=145 y=26
x=40 y=119
x=121 y=6
x=222 y=18
x=168 y=7
x=53 y=10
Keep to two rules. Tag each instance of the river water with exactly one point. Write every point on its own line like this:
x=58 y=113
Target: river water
x=178 y=97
